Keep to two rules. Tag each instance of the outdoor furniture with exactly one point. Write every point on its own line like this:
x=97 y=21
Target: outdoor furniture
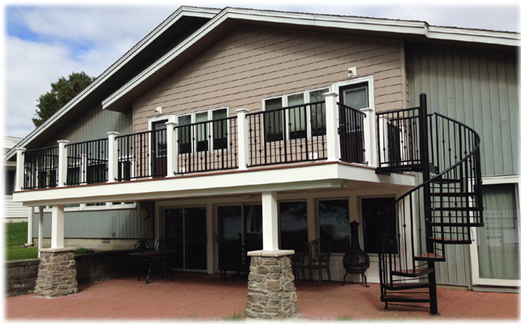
x=233 y=258
x=156 y=259
x=318 y=259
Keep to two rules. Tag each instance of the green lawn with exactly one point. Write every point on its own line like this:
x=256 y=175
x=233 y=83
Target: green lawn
x=16 y=236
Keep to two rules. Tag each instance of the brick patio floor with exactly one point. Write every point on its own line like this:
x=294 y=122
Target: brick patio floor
x=206 y=297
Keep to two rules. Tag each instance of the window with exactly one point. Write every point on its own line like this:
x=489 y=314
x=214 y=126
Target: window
x=334 y=223
x=202 y=130
x=294 y=225
x=372 y=209
x=355 y=96
x=295 y=121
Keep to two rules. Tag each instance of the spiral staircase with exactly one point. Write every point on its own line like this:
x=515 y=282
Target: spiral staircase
x=439 y=211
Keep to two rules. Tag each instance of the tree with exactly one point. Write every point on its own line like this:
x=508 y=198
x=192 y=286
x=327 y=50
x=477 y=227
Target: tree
x=61 y=93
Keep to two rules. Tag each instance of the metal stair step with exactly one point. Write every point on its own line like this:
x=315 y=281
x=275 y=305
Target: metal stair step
x=449 y=241
x=405 y=298
x=452 y=194
x=429 y=256
x=412 y=272
x=407 y=286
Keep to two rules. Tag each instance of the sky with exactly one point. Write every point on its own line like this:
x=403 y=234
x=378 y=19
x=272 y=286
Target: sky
x=43 y=41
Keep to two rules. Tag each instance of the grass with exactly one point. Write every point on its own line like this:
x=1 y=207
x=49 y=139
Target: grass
x=235 y=317
x=345 y=317
x=15 y=238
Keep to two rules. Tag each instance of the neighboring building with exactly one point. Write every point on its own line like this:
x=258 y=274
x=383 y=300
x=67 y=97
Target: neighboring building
x=14 y=212
x=206 y=155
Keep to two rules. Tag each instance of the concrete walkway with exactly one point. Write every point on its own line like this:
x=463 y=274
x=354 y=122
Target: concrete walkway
x=207 y=297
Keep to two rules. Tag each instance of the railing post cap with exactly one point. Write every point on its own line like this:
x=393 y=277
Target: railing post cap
x=20 y=149
x=242 y=110
x=112 y=133
x=171 y=122
x=63 y=142
x=330 y=94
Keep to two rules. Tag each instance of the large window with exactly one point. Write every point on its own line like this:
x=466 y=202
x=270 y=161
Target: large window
x=294 y=225
x=372 y=209
x=297 y=118
x=334 y=223
x=202 y=131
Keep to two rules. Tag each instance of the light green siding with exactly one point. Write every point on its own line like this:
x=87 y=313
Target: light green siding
x=478 y=88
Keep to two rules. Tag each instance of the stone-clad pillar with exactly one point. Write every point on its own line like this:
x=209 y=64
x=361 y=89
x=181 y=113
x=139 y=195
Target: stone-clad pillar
x=271 y=287
x=56 y=273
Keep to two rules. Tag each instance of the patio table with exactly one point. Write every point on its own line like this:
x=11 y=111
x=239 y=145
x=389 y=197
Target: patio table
x=155 y=259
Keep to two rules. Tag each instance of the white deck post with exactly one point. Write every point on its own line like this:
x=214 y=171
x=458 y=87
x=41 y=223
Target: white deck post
x=20 y=170
x=333 y=140
x=369 y=136
x=57 y=226
x=171 y=149
x=242 y=138
x=112 y=156
x=40 y=229
x=270 y=223
x=62 y=162
x=30 y=215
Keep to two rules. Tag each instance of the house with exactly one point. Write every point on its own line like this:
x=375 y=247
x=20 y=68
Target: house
x=267 y=130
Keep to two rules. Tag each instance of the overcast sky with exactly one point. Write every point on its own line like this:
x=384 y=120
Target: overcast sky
x=43 y=43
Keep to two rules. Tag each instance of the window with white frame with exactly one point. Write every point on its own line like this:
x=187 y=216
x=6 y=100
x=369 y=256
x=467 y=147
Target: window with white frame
x=216 y=130
x=302 y=117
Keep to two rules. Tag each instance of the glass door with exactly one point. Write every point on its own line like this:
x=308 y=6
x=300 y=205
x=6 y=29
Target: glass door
x=495 y=250
x=186 y=228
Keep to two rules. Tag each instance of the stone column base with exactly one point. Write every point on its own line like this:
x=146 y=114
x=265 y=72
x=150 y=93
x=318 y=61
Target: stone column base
x=271 y=287
x=56 y=273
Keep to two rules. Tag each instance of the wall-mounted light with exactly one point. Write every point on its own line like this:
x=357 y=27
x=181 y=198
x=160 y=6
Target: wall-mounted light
x=158 y=110
x=351 y=72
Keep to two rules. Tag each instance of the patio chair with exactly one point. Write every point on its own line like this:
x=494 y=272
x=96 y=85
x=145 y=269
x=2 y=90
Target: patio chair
x=297 y=259
x=318 y=259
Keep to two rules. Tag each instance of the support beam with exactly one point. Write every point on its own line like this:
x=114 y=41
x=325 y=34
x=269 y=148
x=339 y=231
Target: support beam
x=30 y=216
x=57 y=227
x=171 y=149
x=40 y=230
x=112 y=157
x=242 y=138
x=62 y=162
x=270 y=223
x=20 y=161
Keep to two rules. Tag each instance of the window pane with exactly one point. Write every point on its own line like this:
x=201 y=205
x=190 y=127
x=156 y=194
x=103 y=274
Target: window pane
x=297 y=116
x=184 y=134
x=356 y=97
x=334 y=223
x=498 y=241
x=253 y=227
x=273 y=120
x=318 y=112
x=219 y=129
x=293 y=225
x=201 y=131
x=371 y=211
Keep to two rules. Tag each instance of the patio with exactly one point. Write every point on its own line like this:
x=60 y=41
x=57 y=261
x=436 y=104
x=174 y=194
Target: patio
x=206 y=297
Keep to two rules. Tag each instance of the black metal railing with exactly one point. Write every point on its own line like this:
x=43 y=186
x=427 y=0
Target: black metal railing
x=351 y=132
x=286 y=135
x=40 y=168
x=207 y=146
x=87 y=162
x=398 y=136
x=142 y=155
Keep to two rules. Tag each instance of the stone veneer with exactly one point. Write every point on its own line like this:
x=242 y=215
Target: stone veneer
x=56 y=273
x=271 y=287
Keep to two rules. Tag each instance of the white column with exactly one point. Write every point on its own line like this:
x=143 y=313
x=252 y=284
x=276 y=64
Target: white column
x=112 y=156
x=242 y=138
x=270 y=222
x=20 y=170
x=57 y=226
x=369 y=136
x=30 y=215
x=171 y=149
x=333 y=140
x=62 y=162
x=40 y=230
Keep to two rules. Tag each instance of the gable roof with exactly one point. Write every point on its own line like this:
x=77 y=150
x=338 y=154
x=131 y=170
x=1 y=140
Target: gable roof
x=135 y=72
